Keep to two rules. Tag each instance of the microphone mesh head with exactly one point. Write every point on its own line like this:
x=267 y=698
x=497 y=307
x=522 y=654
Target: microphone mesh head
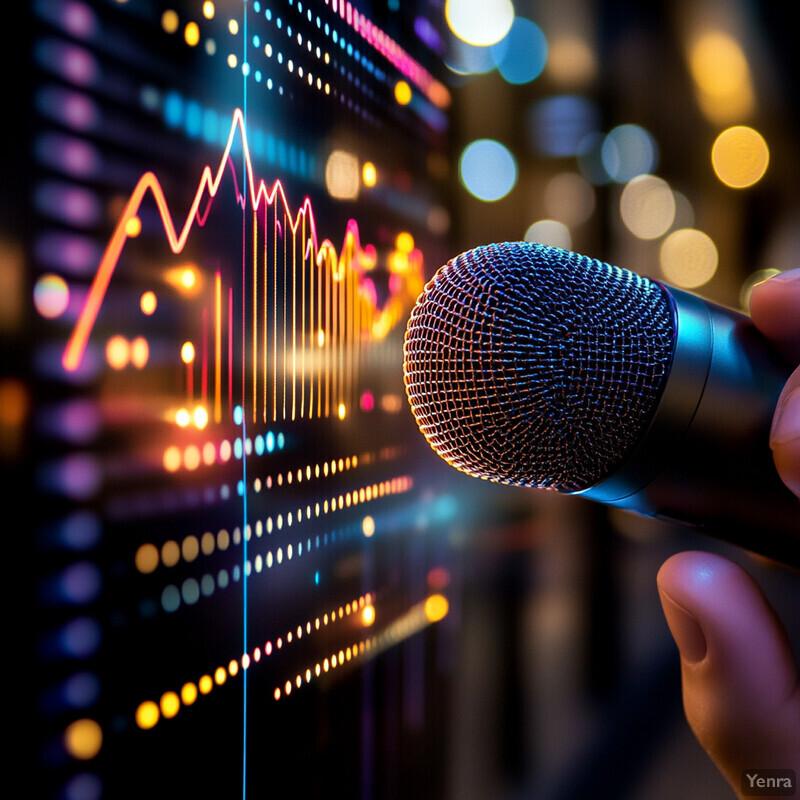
x=529 y=365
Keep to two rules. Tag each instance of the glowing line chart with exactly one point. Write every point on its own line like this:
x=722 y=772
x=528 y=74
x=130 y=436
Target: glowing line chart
x=311 y=310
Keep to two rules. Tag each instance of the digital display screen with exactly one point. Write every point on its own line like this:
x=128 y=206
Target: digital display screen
x=243 y=579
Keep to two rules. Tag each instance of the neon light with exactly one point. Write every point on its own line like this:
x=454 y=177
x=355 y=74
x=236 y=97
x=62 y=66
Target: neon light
x=332 y=296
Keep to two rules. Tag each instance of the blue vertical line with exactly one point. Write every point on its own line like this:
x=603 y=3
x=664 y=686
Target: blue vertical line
x=244 y=441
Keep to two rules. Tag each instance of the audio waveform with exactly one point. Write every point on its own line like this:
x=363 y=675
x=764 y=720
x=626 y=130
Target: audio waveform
x=311 y=310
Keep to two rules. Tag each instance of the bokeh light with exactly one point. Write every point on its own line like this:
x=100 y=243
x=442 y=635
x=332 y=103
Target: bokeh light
x=569 y=197
x=740 y=157
x=521 y=56
x=488 y=170
x=571 y=61
x=342 y=175
x=83 y=739
x=647 y=206
x=722 y=77
x=628 y=151
x=479 y=22
x=688 y=258
x=51 y=296
x=550 y=232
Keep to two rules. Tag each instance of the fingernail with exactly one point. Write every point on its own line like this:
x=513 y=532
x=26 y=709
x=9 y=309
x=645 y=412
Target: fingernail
x=787 y=277
x=685 y=630
x=786 y=422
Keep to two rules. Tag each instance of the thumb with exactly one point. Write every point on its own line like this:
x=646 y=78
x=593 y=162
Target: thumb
x=785 y=435
x=740 y=681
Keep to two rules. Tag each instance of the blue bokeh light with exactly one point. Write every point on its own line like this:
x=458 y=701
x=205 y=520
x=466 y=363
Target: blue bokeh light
x=488 y=169
x=520 y=57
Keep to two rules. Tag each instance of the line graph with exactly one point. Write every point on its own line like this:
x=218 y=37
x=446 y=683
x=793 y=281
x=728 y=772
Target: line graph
x=311 y=309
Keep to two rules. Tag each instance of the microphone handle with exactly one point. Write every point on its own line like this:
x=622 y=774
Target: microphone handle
x=705 y=460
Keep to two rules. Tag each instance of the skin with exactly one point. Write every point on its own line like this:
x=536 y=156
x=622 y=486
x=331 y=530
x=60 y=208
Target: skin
x=741 y=684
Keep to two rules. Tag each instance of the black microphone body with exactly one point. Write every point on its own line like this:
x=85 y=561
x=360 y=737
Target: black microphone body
x=529 y=365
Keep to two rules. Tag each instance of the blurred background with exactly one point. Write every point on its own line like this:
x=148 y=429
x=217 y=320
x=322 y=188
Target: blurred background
x=659 y=137
x=395 y=629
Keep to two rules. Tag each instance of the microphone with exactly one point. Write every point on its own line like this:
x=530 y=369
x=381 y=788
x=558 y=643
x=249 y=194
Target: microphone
x=533 y=366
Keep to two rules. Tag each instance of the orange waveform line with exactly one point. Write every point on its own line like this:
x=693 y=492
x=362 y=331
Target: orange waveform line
x=149 y=183
x=217 y=347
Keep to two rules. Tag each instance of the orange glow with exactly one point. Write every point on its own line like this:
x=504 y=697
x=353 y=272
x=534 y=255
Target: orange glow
x=187 y=353
x=368 y=616
x=220 y=676
x=83 y=739
x=118 y=352
x=205 y=684
x=148 y=303
x=172 y=459
x=146 y=558
x=402 y=93
x=147 y=715
x=140 y=352
x=369 y=174
x=191 y=34
x=404 y=242
x=436 y=607
x=170 y=704
x=133 y=227
x=188 y=693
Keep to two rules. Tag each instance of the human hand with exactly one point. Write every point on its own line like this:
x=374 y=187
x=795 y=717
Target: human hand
x=741 y=684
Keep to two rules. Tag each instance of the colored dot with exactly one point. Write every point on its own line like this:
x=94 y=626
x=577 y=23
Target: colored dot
x=118 y=352
x=647 y=206
x=83 y=739
x=402 y=93
x=233 y=26
x=368 y=526
x=187 y=353
x=146 y=558
x=220 y=676
x=208 y=9
x=232 y=60
x=188 y=278
x=170 y=553
x=628 y=151
x=191 y=34
x=404 y=242
x=436 y=607
x=200 y=417
x=479 y=22
x=140 y=352
x=488 y=170
x=170 y=704
x=182 y=417
x=148 y=303
x=342 y=411
x=369 y=174
x=172 y=459
x=205 y=684
x=688 y=258
x=190 y=548
x=170 y=21
x=133 y=227
x=522 y=54
x=147 y=715
x=740 y=157
x=368 y=615
x=51 y=296
x=188 y=693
